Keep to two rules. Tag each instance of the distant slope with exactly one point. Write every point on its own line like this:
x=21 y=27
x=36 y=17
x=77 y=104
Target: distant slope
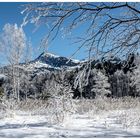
x=51 y=62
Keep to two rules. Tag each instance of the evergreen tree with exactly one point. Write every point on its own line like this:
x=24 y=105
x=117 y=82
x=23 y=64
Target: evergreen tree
x=101 y=86
x=135 y=80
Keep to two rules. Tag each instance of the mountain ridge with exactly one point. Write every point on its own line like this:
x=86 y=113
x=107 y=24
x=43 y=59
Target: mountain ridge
x=52 y=61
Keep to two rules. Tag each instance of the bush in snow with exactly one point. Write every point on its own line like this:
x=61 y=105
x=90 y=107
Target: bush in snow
x=59 y=97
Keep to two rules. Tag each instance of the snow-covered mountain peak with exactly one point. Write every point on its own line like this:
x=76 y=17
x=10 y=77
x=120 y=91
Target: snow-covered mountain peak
x=47 y=54
x=51 y=61
x=56 y=61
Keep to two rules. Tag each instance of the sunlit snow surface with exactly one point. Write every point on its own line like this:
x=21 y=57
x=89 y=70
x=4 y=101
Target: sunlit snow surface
x=21 y=124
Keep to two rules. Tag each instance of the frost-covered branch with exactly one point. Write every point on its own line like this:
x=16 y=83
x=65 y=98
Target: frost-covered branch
x=107 y=27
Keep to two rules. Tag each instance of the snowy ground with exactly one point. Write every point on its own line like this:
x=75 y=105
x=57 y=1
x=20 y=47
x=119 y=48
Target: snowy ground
x=106 y=124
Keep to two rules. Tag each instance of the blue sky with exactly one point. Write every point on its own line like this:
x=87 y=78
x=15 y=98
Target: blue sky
x=10 y=13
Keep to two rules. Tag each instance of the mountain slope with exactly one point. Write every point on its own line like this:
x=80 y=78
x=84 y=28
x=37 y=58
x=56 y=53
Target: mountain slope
x=56 y=61
x=52 y=62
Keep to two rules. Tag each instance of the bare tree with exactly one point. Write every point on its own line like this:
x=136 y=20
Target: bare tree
x=13 y=43
x=111 y=27
x=82 y=80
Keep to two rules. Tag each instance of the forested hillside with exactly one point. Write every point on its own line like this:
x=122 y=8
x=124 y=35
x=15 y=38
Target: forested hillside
x=107 y=77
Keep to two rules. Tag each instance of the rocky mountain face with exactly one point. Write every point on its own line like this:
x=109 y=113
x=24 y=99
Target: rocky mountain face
x=48 y=62
x=50 y=71
x=56 y=61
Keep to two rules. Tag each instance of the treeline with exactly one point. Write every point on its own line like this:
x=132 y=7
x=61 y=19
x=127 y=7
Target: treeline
x=111 y=78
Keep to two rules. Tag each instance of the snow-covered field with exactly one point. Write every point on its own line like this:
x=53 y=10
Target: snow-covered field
x=118 y=123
